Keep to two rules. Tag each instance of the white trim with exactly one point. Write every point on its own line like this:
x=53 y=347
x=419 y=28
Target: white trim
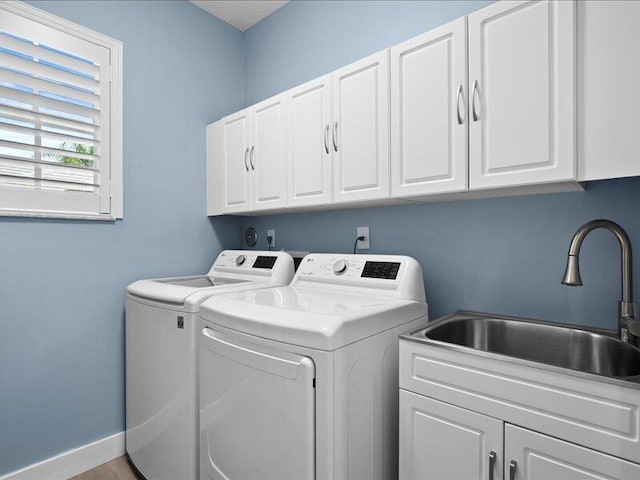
x=4 y=212
x=115 y=47
x=72 y=462
x=59 y=23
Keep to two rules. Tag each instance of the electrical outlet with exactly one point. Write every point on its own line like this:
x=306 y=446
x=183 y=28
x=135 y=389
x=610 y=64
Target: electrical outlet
x=366 y=243
x=272 y=233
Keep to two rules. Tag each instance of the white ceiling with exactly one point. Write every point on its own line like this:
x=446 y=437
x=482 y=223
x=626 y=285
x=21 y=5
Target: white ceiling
x=242 y=14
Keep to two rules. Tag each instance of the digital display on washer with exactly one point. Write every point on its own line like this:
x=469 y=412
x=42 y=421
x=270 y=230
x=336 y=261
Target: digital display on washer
x=264 y=262
x=386 y=270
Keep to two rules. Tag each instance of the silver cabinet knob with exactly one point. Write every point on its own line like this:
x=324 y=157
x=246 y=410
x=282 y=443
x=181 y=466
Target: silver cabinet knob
x=240 y=259
x=340 y=267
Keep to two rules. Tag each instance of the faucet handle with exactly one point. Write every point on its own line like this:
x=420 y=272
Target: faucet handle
x=628 y=314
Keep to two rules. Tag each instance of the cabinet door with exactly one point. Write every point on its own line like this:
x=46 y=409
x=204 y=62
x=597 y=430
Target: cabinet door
x=309 y=153
x=360 y=129
x=438 y=440
x=522 y=89
x=268 y=154
x=533 y=456
x=609 y=113
x=233 y=155
x=429 y=113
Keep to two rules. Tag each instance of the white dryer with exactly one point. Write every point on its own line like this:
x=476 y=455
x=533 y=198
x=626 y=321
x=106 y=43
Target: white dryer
x=161 y=357
x=301 y=382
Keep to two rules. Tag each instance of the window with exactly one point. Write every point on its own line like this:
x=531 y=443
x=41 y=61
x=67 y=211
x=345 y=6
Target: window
x=60 y=117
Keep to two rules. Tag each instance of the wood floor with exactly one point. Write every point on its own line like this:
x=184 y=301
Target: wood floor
x=118 y=469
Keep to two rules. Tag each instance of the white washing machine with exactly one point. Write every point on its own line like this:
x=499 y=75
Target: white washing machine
x=301 y=382
x=161 y=357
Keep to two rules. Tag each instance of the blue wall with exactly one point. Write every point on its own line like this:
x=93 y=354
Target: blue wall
x=62 y=282
x=500 y=255
x=61 y=292
x=306 y=38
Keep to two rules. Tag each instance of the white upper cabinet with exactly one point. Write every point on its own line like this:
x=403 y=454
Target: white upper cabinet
x=429 y=112
x=247 y=159
x=228 y=180
x=268 y=154
x=360 y=129
x=522 y=94
x=309 y=170
x=608 y=96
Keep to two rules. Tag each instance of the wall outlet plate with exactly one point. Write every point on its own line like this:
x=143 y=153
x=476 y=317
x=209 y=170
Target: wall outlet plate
x=366 y=243
x=271 y=233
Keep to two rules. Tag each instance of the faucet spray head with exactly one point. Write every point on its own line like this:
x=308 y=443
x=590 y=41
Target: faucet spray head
x=572 y=273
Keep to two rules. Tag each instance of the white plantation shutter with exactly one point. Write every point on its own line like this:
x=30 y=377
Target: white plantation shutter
x=56 y=147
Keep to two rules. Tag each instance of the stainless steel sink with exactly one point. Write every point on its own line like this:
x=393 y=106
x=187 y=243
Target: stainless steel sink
x=564 y=346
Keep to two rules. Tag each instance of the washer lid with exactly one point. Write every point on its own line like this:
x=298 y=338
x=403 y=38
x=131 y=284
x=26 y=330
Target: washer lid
x=233 y=270
x=310 y=317
x=176 y=290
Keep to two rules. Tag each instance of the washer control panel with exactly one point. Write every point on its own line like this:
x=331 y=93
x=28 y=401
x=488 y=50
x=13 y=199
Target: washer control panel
x=386 y=270
x=264 y=261
x=245 y=261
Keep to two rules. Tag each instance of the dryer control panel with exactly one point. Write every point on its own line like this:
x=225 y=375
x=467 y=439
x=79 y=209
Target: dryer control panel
x=393 y=275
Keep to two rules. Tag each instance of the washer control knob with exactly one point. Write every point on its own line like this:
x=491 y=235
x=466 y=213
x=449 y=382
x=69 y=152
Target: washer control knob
x=340 y=267
x=240 y=259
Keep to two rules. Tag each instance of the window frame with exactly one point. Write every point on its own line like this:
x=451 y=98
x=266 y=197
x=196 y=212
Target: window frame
x=115 y=106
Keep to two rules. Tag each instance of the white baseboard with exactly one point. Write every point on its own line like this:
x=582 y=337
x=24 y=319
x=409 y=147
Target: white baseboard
x=72 y=462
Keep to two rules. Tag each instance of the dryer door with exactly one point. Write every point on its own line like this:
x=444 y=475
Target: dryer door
x=257 y=410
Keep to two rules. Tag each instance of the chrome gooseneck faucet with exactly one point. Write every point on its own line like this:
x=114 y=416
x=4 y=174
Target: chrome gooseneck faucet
x=628 y=321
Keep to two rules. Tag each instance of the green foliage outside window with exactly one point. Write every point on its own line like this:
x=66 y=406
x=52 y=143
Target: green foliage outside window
x=78 y=148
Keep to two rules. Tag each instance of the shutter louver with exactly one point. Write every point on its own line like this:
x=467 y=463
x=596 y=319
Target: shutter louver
x=49 y=117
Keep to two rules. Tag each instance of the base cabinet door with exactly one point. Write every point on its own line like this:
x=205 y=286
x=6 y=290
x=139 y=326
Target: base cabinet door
x=444 y=442
x=522 y=94
x=428 y=112
x=532 y=456
x=360 y=129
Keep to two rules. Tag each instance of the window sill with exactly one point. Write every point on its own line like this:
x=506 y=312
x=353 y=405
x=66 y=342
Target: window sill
x=58 y=215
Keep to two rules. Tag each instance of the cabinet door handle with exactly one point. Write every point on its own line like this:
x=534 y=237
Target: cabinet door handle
x=326 y=138
x=474 y=94
x=513 y=465
x=460 y=95
x=492 y=464
x=335 y=136
x=253 y=167
x=245 y=159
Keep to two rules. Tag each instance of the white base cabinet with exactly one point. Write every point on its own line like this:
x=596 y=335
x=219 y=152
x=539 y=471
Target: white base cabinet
x=464 y=416
x=444 y=442
x=532 y=456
